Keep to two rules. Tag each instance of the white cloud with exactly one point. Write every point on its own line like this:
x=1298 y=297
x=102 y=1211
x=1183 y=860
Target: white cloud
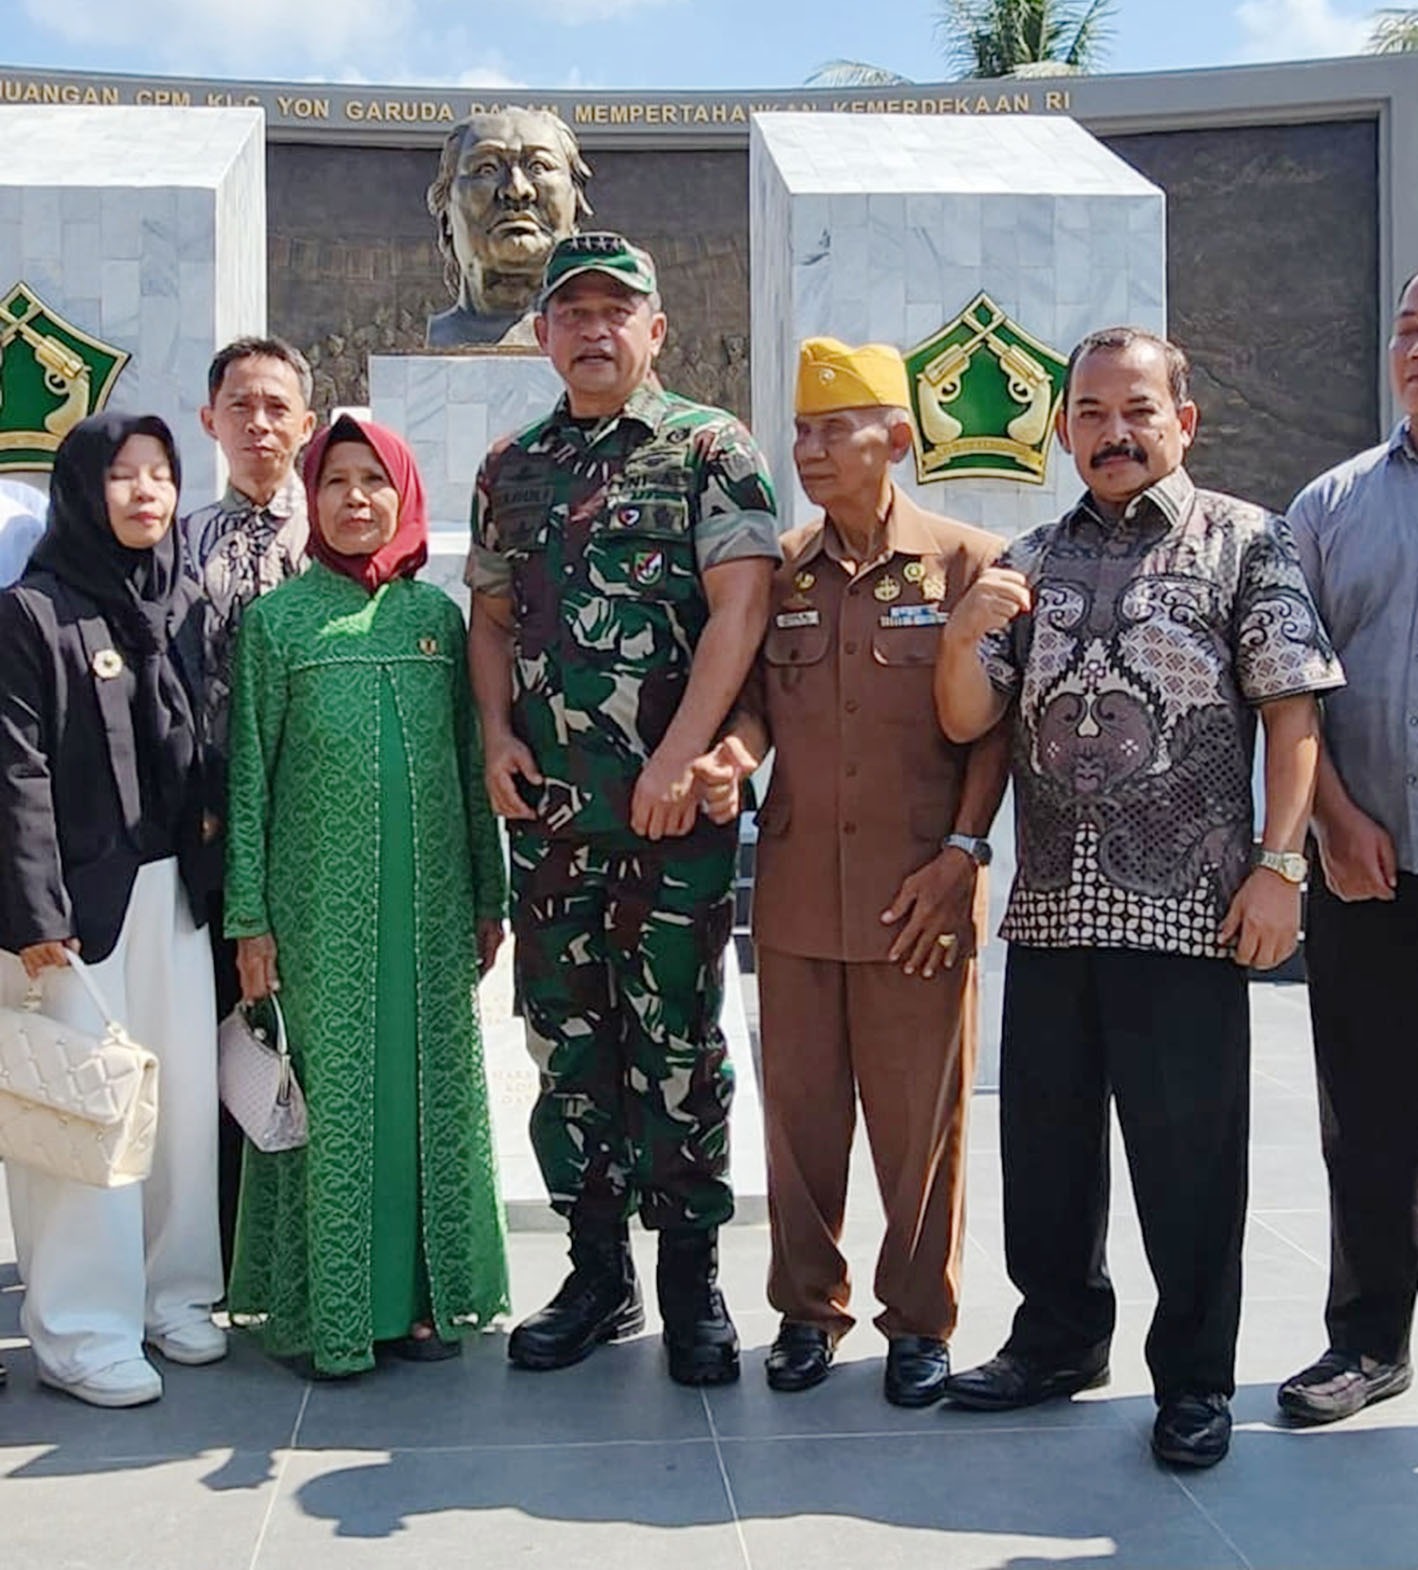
x=1298 y=30
x=271 y=38
x=572 y=13
x=486 y=76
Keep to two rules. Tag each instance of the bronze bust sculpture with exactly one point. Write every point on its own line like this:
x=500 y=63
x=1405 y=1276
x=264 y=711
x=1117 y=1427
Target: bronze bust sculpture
x=509 y=186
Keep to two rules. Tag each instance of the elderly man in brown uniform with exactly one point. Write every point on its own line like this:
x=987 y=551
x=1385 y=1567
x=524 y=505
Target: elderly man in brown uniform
x=868 y=900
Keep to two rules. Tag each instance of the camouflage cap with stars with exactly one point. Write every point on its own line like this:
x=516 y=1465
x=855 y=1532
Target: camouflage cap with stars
x=610 y=254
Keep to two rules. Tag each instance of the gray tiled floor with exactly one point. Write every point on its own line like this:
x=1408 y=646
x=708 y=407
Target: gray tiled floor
x=242 y=1466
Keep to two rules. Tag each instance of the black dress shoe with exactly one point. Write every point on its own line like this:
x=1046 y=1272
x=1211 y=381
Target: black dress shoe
x=799 y=1358
x=1339 y=1385
x=1009 y=1381
x=917 y=1368
x=424 y=1349
x=1192 y=1430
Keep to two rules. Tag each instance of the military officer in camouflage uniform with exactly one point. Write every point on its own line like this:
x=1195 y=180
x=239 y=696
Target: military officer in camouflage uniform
x=623 y=549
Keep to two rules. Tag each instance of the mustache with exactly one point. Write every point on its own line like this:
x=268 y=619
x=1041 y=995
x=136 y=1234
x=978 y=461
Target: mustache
x=1117 y=450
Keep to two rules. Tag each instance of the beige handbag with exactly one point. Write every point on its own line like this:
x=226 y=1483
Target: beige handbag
x=71 y=1104
x=257 y=1081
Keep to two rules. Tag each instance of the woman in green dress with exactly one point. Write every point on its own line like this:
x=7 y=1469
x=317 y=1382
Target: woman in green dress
x=365 y=882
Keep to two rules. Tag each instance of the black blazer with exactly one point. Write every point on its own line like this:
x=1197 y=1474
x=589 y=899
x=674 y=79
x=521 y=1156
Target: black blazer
x=70 y=802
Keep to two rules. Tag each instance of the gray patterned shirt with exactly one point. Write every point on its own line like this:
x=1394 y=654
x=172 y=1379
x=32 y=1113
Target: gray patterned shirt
x=1356 y=529
x=1150 y=640
x=236 y=551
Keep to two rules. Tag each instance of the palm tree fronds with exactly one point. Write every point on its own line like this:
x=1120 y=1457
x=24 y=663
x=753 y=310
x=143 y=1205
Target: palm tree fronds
x=1091 y=31
x=989 y=38
x=1393 y=32
x=854 y=73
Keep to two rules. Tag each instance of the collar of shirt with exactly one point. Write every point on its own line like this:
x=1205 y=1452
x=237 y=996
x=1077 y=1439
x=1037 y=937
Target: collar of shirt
x=1404 y=441
x=1170 y=498
x=285 y=504
x=904 y=535
x=647 y=406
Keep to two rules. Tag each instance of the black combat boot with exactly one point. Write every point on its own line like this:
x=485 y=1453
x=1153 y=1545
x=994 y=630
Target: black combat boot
x=599 y=1301
x=700 y=1338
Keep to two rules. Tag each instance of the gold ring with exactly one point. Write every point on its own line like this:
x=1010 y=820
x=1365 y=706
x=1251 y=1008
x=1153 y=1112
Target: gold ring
x=947 y=941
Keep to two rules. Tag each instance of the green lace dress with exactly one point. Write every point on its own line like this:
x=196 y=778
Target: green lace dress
x=360 y=836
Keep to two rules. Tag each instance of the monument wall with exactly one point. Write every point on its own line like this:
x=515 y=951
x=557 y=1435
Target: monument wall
x=1273 y=236
x=354 y=276
x=1272 y=286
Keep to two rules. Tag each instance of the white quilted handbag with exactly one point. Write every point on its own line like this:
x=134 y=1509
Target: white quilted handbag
x=71 y=1104
x=257 y=1081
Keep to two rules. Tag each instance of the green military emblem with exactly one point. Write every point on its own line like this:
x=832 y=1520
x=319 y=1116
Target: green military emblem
x=52 y=374
x=648 y=568
x=984 y=393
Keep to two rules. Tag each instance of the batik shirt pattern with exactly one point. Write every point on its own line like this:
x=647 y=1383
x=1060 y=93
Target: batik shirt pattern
x=236 y=551
x=1150 y=640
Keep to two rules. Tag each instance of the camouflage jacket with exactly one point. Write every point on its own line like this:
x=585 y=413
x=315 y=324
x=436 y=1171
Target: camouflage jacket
x=600 y=535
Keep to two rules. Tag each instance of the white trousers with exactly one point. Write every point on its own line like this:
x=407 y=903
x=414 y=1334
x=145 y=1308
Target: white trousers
x=103 y=1265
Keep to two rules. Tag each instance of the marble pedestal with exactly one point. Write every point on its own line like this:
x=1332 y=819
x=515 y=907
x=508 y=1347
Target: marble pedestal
x=145 y=228
x=885 y=227
x=450 y=408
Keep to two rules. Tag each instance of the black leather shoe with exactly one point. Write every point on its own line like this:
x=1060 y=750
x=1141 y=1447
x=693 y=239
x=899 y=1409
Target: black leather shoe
x=1339 y=1385
x=1192 y=1430
x=1009 y=1381
x=917 y=1368
x=701 y=1343
x=800 y=1356
x=598 y=1302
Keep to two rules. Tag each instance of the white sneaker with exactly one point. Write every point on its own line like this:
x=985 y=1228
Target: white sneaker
x=133 y=1382
x=194 y=1344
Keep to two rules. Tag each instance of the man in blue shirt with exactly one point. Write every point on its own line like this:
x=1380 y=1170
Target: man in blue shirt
x=1356 y=530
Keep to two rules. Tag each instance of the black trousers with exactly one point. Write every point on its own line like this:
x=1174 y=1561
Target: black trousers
x=230 y=1139
x=1169 y=1038
x=1363 y=965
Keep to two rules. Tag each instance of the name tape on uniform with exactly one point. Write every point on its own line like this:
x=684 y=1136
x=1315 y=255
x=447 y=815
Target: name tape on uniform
x=797 y=619
x=915 y=616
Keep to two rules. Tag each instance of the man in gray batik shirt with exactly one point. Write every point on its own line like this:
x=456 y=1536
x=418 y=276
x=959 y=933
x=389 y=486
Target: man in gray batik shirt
x=1356 y=531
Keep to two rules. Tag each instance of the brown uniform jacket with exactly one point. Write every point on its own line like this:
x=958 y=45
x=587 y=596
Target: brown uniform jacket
x=864 y=784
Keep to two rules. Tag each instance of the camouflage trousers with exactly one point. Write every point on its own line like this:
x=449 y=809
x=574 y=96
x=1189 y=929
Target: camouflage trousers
x=620 y=967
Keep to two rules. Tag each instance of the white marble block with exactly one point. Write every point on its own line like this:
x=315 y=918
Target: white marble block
x=146 y=228
x=450 y=408
x=886 y=227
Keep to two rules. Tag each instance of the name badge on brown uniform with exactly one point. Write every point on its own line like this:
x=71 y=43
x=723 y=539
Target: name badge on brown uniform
x=797 y=619
x=914 y=616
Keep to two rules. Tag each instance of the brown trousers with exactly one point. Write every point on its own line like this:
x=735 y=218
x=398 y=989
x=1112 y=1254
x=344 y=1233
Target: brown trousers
x=832 y=1031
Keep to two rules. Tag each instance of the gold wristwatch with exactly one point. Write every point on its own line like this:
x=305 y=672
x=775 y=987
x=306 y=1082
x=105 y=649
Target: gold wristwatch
x=1288 y=864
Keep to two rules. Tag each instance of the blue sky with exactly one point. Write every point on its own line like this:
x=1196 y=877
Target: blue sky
x=609 y=43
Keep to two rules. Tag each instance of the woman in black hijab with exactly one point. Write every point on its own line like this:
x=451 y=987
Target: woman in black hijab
x=101 y=807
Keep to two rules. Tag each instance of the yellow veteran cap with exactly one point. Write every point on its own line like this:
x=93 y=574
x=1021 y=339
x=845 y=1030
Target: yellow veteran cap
x=831 y=375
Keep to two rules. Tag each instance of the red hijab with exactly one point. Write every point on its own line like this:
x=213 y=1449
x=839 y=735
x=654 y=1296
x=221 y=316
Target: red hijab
x=408 y=550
